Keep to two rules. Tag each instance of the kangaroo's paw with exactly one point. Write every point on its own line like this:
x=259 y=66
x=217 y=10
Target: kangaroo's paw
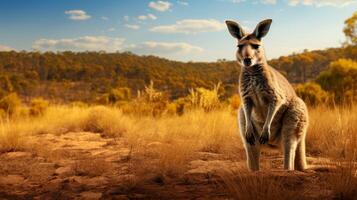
x=264 y=137
x=249 y=136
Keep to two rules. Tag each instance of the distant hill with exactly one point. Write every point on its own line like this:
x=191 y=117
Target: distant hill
x=69 y=76
x=306 y=66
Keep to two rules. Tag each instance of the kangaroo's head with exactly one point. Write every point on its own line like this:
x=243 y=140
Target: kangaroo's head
x=250 y=51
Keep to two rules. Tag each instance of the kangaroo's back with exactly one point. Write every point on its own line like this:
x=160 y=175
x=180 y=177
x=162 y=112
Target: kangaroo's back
x=282 y=84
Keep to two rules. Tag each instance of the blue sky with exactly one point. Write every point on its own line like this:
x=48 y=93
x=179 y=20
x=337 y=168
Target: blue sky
x=176 y=29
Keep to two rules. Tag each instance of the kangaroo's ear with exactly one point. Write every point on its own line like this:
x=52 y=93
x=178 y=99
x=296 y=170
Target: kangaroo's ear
x=235 y=29
x=262 y=28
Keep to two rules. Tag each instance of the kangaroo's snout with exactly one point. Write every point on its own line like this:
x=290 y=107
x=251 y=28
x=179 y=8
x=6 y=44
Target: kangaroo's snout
x=247 y=62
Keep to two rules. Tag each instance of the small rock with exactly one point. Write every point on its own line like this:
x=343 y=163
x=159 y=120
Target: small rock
x=16 y=155
x=64 y=171
x=54 y=185
x=113 y=159
x=92 y=182
x=40 y=159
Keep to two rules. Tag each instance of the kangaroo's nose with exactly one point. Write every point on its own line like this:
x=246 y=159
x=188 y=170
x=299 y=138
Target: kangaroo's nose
x=247 y=61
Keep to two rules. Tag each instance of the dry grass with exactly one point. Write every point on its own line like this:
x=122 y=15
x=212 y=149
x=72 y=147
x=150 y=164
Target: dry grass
x=11 y=138
x=333 y=132
x=344 y=181
x=259 y=187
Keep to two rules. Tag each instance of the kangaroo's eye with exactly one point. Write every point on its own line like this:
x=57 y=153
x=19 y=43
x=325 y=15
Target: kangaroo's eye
x=240 y=46
x=255 y=46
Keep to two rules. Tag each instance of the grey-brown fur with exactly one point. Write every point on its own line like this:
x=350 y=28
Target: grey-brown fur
x=271 y=113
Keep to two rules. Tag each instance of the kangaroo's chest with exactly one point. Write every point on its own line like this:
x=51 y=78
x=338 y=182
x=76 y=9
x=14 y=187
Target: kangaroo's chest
x=255 y=86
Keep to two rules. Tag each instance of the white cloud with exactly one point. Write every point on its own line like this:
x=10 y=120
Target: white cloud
x=77 y=15
x=184 y=3
x=191 y=26
x=161 y=6
x=86 y=43
x=166 y=48
x=111 y=29
x=142 y=17
x=146 y=17
x=104 y=18
x=269 y=1
x=132 y=26
x=126 y=18
x=320 y=3
x=6 y=48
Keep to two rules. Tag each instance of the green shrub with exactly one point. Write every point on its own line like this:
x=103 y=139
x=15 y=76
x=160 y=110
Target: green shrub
x=148 y=102
x=38 y=106
x=340 y=79
x=119 y=94
x=10 y=104
x=312 y=93
x=204 y=98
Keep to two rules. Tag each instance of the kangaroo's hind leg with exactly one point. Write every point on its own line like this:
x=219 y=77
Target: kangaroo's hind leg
x=300 y=157
x=295 y=122
x=252 y=151
x=289 y=152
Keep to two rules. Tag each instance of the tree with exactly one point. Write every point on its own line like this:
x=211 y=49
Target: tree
x=304 y=63
x=340 y=79
x=350 y=29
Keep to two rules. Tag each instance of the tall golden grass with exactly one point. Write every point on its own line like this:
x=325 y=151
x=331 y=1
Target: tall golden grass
x=332 y=131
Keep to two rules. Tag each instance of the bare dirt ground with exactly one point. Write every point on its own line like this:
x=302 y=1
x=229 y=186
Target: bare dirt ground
x=87 y=166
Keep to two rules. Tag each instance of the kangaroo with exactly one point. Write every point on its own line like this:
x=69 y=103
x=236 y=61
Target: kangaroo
x=271 y=113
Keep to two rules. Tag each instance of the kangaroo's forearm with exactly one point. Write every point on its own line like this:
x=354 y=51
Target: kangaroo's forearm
x=247 y=107
x=273 y=107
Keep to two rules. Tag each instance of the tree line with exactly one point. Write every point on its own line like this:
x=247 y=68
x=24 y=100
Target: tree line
x=71 y=76
x=85 y=76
